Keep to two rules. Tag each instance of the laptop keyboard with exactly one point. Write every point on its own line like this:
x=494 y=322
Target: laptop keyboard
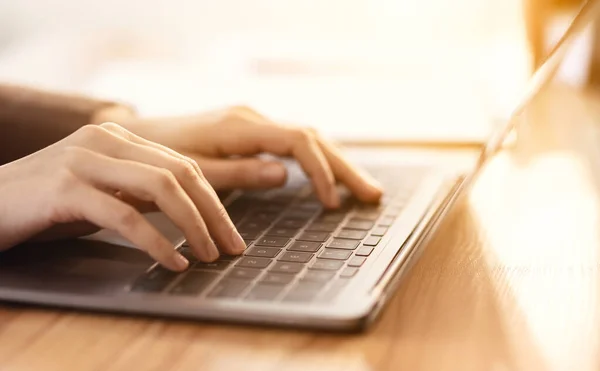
x=297 y=251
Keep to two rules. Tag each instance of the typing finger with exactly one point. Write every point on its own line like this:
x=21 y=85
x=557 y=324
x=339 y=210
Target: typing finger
x=148 y=183
x=187 y=172
x=360 y=184
x=105 y=211
x=246 y=173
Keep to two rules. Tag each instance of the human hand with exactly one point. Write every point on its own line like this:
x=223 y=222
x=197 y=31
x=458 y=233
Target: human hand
x=87 y=177
x=213 y=138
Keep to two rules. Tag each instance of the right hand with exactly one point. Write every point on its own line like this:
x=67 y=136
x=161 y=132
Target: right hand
x=82 y=179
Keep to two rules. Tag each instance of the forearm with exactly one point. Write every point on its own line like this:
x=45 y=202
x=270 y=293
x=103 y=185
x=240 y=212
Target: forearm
x=32 y=119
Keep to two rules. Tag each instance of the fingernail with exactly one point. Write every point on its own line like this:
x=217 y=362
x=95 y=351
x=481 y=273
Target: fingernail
x=237 y=241
x=272 y=173
x=181 y=262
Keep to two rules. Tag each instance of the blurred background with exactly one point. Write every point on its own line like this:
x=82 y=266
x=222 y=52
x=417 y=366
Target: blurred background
x=404 y=70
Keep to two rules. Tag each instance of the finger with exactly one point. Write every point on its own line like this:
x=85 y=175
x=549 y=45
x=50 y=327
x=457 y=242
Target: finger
x=105 y=211
x=264 y=136
x=310 y=157
x=152 y=184
x=191 y=178
x=252 y=138
x=279 y=140
x=362 y=185
x=247 y=173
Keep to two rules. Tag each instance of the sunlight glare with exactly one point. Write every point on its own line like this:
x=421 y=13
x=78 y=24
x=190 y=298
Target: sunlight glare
x=541 y=227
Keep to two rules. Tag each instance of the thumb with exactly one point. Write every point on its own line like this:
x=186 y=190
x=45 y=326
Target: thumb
x=250 y=173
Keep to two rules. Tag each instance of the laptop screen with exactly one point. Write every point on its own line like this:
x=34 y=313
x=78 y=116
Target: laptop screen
x=543 y=76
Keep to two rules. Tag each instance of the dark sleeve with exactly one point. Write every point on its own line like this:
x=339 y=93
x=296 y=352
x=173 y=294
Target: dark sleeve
x=32 y=119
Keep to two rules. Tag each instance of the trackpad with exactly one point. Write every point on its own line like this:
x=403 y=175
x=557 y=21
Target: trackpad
x=74 y=266
x=104 y=262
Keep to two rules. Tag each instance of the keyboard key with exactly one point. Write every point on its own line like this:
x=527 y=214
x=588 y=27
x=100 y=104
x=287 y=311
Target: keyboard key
x=239 y=204
x=243 y=273
x=264 y=292
x=249 y=235
x=339 y=243
x=253 y=226
x=227 y=257
x=290 y=223
x=277 y=279
x=282 y=232
x=263 y=252
x=371 y=241
x=237 y=207
x=302 y=293
x=217 y=265
x=318 y=276
x=357 y=261
x=386 y=221
x=263 y=216
x=332 y=291
x=351 y=234
x=272 y=241
x=309 y=205
x=370 y=215
x=299 y=214
x=308 y=285
x=379 y=231
x=331 y=217
x=272 y=207
x=335 y=254
x=296 y=257
x=248 y=242
x=363 y=225
x=327 y=265
x=194 y=283
x=154 y=281
x=288 y=268
x=364 y=251
x=252 y=262
x=348 y=272
x=321 y=227
x=228 y=289
x=313 y=236
x=305 y=246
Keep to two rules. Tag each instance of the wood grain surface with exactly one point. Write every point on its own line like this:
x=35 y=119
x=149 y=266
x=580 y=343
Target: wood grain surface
x=510 y=281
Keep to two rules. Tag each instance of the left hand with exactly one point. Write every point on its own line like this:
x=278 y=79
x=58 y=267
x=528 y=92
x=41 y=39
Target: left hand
x=212 y=139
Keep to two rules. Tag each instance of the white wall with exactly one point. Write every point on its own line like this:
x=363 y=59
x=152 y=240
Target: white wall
x=466 y=20
x=463 y=39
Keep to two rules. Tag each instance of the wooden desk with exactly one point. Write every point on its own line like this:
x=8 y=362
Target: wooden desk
x=509 y=282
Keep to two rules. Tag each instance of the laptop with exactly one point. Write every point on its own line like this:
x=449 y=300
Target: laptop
x=304 y=266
